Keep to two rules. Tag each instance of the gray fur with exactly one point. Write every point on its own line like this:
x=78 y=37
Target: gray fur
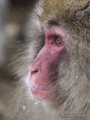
x=72 y=90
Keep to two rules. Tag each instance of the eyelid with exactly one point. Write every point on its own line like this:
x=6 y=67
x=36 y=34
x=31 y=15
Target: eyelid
x=54 y=31
x=54 y=36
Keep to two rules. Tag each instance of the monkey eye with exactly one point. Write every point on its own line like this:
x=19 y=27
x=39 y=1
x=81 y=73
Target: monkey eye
x=58 y=40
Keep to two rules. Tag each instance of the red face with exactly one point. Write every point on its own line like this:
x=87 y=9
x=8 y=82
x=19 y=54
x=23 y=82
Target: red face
x=41 y=73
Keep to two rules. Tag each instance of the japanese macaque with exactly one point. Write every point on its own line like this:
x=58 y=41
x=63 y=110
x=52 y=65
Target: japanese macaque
x=50 y=74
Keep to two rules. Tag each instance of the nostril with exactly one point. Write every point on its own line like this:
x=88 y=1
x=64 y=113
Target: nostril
x=35 y=70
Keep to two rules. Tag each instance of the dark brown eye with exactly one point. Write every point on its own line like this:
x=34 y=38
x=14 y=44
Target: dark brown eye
x=58 y=40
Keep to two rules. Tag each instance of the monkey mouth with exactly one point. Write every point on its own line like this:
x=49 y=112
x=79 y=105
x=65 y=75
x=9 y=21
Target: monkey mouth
x=40 y=93
x=40 y=89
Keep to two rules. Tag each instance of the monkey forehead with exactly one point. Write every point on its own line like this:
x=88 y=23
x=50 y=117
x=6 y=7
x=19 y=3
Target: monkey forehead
x=61 y=8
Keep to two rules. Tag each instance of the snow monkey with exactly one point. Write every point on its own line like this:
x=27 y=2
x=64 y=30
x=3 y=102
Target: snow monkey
x=51 y=64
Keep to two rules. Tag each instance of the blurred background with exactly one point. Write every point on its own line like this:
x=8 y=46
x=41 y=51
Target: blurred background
x=13 y=16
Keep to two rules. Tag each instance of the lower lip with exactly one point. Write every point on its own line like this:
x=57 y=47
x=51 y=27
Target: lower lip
x=41 y=93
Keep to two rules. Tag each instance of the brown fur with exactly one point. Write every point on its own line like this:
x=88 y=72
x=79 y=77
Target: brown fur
x=72 y=89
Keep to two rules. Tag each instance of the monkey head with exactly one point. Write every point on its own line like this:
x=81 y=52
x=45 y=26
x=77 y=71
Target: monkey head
x=58 y=52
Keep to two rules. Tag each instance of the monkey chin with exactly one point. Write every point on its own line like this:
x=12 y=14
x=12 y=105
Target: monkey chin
x=41 y=94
